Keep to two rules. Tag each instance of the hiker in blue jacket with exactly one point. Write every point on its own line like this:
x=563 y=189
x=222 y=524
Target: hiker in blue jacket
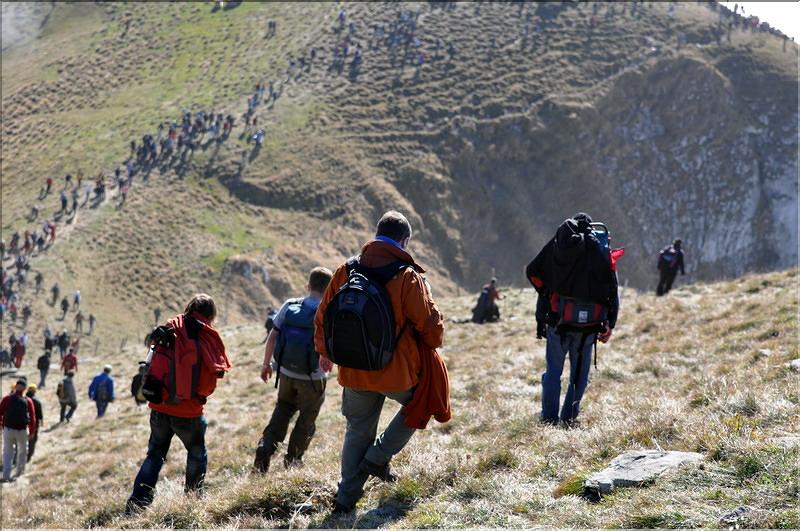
x=101 y=390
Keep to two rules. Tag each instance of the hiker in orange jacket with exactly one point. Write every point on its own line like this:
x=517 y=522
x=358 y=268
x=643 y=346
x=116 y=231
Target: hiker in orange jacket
x=419 y=328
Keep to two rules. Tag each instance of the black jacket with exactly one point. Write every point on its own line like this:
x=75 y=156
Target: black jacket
x=573 y=264
x=37 y=407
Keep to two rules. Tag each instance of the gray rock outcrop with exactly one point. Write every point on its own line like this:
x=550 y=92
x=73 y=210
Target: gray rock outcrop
x=635 y=468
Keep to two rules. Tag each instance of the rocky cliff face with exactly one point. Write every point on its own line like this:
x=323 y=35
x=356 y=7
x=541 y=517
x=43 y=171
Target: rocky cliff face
x=678 y=147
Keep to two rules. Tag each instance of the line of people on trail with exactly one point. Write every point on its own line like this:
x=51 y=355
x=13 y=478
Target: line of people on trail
x=374 y=318
x=22 y=418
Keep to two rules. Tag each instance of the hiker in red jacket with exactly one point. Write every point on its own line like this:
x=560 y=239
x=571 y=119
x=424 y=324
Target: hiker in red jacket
x=70 y=362
x=16 y=414
x=190 y=340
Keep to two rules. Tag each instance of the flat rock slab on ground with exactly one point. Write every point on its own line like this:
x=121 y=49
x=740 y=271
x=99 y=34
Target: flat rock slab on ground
x=788 y=441
x=635 y=468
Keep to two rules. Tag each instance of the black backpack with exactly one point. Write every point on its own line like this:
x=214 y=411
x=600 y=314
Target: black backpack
x=137 y=383
x=17 y=416
x=43 y=362
x=103 y=394
x=359 y=320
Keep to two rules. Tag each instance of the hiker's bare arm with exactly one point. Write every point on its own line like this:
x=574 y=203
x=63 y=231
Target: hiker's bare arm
x=266 y=368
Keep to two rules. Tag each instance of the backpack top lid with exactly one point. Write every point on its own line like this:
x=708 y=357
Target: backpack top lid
x=601 y=233
x=298 y=314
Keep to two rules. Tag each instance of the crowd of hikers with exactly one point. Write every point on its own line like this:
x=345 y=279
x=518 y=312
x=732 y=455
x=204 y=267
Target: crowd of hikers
x=375 y=319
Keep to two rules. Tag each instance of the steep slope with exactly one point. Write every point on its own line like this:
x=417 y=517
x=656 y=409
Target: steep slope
x=486 y=150
x=703 y=369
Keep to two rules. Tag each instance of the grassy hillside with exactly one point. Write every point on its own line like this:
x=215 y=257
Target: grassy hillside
x=703 y=369
x=486 y=151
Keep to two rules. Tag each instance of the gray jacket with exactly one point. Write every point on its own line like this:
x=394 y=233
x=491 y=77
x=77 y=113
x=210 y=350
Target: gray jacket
x=70 y=395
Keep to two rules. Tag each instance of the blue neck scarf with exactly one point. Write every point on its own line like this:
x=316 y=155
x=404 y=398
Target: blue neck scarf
x=389 y=240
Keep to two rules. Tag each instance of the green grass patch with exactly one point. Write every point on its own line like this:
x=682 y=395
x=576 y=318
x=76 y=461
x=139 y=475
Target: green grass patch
x=503 y=459
x=788 y=519
x=425 y=517
x=655 y=520
x=473 y=488
x=406 y=491
x=572 y=486
x=749 y=466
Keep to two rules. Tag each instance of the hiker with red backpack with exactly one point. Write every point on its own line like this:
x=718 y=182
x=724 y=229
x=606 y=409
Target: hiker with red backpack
x=670 y=260
x=17 y=413
x=300 y=373
x=378 y=322
x=575 y=277
x=186 y=358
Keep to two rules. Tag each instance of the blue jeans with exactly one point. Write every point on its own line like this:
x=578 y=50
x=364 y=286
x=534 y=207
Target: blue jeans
x=557 y=349
x=101 y=408
x=192 y=433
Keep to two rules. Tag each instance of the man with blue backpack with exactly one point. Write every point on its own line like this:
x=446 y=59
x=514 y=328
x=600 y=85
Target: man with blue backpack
x=575 y=277
x=301 y=375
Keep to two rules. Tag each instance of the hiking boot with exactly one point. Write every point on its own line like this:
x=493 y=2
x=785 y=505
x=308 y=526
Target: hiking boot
x=261 y=463
x=292 y=462
x=382 y=472
x=572 y=424
x=338 y=508
x=548 y=422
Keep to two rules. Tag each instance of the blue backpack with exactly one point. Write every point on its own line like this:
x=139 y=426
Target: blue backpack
x=296 y=339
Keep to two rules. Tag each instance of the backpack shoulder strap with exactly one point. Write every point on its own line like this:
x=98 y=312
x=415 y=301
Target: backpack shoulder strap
x=385 y=273
x=353 y=264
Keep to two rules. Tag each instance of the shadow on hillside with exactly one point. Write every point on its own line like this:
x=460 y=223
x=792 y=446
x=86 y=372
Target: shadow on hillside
x=383 y=514
x=254 y=153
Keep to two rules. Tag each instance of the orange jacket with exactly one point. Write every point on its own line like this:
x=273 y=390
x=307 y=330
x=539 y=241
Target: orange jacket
x=411 y=302
x=432 y=395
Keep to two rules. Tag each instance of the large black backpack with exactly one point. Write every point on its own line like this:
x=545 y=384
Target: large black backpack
x=359 y=320
x=17 y=415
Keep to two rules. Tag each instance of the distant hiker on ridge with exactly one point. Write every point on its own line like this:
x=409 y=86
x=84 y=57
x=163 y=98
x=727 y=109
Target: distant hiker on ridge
x=486 y=309
x=670 y=260
x=101 y=390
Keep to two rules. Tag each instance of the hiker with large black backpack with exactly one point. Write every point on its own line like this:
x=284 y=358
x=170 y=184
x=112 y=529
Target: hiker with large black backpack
x=17 y=413
x=575 y=277
x=378 y=322
x=300 y=375
x=185 y=360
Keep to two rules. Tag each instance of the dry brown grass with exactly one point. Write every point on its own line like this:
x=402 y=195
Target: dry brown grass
x=696 y=381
